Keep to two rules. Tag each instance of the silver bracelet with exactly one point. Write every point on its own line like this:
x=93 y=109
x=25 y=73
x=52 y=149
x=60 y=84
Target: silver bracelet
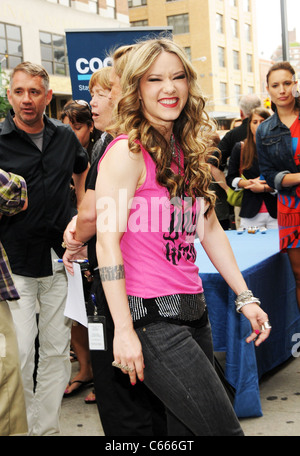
x=244 y=298
x=251 y=301
x=244 y=295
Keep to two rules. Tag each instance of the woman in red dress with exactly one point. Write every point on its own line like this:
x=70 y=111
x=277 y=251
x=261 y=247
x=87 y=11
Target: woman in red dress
x=278 y=147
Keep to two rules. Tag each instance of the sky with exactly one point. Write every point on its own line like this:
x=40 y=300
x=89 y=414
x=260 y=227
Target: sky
x=269 y=24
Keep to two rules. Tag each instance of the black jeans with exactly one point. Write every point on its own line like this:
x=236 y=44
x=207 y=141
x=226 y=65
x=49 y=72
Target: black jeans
x=124 y=410
x=179 y=370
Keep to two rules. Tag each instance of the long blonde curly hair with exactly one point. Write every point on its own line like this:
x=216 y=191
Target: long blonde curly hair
x=189 y=129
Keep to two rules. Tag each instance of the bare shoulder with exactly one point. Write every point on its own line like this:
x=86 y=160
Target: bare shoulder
x=120 y=155
x=121 y=164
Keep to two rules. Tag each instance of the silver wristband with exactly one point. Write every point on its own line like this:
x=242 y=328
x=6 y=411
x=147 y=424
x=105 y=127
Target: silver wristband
x=251 y=301
x=244 y=298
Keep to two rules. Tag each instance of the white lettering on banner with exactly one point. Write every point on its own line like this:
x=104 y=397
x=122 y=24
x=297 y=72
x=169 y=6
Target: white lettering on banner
x=95 y=64
x=83 y=66
x=295 y=351
x=79 y=62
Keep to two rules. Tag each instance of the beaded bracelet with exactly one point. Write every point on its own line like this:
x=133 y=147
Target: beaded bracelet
x=244 y=298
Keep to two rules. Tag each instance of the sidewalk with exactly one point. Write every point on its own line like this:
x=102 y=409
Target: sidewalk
x=280 y=399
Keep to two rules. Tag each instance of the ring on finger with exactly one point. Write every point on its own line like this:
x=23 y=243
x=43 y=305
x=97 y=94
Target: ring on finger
x=122 y=366
x=266 y=325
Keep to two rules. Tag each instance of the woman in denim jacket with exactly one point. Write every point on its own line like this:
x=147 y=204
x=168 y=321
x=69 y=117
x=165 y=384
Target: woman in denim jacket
x=278 y=148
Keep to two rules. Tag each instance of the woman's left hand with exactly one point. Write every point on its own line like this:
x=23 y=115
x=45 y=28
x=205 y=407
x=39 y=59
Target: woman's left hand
x=69 y=236
x=257 y=318
x=256 y=185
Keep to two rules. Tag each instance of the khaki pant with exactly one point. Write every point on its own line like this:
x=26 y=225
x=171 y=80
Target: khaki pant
x=13 y=419
x=54 y=331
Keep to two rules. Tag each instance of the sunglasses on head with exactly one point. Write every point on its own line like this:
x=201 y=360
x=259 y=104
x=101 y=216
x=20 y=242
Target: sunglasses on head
x=82 y=103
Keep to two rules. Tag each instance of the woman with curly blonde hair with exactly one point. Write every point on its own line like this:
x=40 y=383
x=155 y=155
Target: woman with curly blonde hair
x=153 y=197
x=189 y=125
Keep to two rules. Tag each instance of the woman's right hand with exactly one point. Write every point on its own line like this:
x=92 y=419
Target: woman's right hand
x=128 y=352
x=70 y=256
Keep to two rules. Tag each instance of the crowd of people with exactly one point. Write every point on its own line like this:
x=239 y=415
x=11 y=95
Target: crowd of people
x=125 y=181
x=259 y=202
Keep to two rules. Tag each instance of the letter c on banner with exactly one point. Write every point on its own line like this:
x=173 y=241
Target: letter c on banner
x=79 y=68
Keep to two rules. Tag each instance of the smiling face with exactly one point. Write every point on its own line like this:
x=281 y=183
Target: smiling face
x=163 y=91
x=29 y=99
x=281 y=87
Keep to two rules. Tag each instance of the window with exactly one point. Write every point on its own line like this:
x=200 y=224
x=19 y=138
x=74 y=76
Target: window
x=110 y=8
x=142 y=23
x=249 y=63
x=61 y=2
x=219 y=23
x=188 y=52
x=248 y=32
x=247 y=6
x=236 y=60
x=233 y=3
x=221 y=56
x=93 y=6
x=180 y=23
x=235 y=28
x=54 y=53
x=223 y=92
x=237 y=93
x=10 y=45
x=134 y=3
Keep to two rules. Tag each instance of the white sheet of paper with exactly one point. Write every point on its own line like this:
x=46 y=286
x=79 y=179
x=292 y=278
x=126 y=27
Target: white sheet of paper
x=75 y=305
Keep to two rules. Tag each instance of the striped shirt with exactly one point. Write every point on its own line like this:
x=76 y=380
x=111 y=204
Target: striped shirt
x=13 y=194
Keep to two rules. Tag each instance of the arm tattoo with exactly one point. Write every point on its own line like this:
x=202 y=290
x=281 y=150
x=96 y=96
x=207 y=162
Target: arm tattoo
x=112 y=273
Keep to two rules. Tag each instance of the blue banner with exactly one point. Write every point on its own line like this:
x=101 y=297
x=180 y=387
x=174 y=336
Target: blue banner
x=89 y=50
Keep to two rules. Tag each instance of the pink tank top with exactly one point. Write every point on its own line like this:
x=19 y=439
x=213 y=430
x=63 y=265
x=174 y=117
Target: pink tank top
x=158 y=249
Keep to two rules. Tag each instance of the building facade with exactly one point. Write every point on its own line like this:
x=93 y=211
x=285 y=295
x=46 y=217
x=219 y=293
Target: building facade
x=293 y=52
x=220 y=38
x=34 y=30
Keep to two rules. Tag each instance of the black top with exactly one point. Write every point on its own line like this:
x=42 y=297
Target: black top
x=90 y=184
x=229 y=140
x=29 y=236
x=252 y=202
